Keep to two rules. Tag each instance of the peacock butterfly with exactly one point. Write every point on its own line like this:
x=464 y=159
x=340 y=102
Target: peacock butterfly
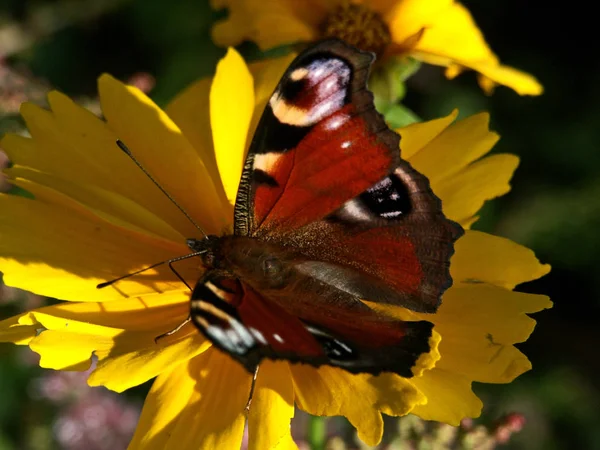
x=327 y=214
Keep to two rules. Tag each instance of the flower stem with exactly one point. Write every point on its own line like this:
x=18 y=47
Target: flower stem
x=317 y=433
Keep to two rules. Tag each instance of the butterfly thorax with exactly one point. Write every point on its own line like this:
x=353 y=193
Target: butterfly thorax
x=262 y=265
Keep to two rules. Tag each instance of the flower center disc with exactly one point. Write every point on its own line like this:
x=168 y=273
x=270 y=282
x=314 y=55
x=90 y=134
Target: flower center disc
x=358 y=26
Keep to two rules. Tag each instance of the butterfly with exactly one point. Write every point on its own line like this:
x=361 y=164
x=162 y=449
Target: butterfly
x=327 y=214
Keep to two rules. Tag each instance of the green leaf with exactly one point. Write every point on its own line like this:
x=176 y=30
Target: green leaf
x=387 y=81
x=317 y=432
x=398 y=116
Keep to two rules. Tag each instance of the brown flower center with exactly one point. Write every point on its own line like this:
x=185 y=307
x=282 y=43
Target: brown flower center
x=359 y=26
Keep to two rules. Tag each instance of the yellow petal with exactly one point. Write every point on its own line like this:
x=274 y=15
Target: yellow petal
x=120 y=334
x=272 y=408
x=416 y=136
x=329 y=391
x=495 y=260
x=72 y=250
x=231 y=107
x=464 y=193
x=161 y=148
x=198 y=405
x=452 y=39
x=269 y=23
x=449 y=397
x=190 y=110
x=90 y=163
x=479 y=323
x=108 y=205
x=382 y=7
x=453 y=149
x=453 y=34
x=466 y=224
x=137 y=358
x=410 y=16
x=485 y=310
x=482 y=360
x=493 y=74
x=12 y=331
x=428 y=360
x=171 y=393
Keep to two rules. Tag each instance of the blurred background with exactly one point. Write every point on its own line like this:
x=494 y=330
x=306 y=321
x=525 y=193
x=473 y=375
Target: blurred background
x=553 y=208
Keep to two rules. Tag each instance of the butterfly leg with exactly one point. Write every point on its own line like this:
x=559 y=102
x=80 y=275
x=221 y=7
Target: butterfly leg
x=173 y=331
x=252 y=390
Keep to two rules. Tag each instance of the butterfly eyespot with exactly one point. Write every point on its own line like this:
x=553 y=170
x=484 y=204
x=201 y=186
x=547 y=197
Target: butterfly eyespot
x=293 y=88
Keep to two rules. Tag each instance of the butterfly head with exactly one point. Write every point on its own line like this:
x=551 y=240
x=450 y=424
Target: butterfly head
x=207 y=248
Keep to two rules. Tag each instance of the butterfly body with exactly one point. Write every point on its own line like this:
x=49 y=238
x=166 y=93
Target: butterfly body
x=327 y=215
x=263 y=265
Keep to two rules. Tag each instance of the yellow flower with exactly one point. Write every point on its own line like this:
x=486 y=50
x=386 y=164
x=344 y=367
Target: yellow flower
x=95 y=216
x=440 y=32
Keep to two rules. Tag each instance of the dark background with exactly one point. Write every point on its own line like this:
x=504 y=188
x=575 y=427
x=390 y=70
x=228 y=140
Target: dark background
x=553 y=208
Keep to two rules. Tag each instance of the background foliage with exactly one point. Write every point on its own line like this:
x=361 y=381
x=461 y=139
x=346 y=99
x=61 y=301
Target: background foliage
x=554 y=206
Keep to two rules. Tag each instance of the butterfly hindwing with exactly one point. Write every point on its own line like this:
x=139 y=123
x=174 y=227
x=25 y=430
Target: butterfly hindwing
x=237 y=321
x=392 y=235
x=250 y=327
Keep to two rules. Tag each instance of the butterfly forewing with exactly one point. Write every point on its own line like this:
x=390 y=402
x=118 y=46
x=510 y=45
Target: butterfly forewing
x=319 y=143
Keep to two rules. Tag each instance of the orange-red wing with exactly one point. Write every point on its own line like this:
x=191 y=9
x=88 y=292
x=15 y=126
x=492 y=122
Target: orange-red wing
x=324 y=177
x=319 y=143
x=241 y=322
x=327 y=168
x=393 y=238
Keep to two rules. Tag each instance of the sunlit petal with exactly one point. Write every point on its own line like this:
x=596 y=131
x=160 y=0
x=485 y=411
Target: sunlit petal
x=231 y=101
x=159 y=145
x=499 y=261
x=329 y=391
x=198 y=405
x=272 y=404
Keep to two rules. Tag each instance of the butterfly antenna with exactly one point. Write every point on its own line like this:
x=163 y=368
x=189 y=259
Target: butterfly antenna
x=168 y=261
x=123 y=147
